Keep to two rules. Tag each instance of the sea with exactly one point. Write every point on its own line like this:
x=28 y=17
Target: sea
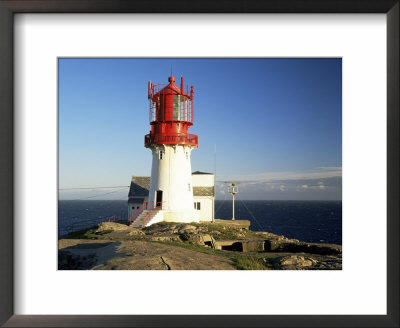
x=309 y=221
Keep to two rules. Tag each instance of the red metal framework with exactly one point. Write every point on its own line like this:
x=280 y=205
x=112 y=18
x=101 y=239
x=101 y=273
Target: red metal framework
x=171 y=114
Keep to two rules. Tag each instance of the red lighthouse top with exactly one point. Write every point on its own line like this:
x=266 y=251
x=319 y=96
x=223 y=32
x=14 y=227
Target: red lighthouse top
x=171 y=114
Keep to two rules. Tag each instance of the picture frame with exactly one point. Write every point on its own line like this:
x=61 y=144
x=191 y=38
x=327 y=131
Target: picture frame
x=8 y=8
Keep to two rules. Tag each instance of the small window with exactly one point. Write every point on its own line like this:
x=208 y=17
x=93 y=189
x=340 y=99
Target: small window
x=133 y=207
x=137 y=207
x=198 y=206
x=187 y=155
x=194 y=205
x=161 y=154
x=189 y=186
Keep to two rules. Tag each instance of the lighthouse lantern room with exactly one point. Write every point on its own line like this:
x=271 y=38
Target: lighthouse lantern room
x=171 y=191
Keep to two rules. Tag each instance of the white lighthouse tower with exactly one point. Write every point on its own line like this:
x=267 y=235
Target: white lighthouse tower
x=171 y=190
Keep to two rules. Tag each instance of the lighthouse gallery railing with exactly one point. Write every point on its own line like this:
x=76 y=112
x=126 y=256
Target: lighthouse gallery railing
x=189 y=139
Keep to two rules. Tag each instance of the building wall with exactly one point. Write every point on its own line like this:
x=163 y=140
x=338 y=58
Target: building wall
x=206 y=207
x=207 y=202
x=132 y=202
x=203 y=180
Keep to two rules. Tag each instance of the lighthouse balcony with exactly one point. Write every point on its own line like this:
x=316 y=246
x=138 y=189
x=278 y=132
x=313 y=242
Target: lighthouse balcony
x=187 y=139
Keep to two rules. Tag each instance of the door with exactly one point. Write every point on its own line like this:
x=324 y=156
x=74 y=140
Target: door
x=159 y=198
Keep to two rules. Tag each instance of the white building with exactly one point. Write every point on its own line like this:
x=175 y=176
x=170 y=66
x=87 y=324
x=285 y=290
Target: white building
x=203 y=196
x=138 y=193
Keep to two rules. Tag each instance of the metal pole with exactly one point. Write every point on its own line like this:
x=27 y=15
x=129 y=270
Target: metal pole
x=233 y=206
x=215 y=174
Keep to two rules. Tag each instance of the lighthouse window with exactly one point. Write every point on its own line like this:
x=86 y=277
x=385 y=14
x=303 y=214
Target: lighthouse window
x=189 y=186
x=197 y=206
x=180 y=108
x=187 y=155
x=161 y=154
x=177 y=103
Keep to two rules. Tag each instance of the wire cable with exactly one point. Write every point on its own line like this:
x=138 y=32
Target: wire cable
x=107 y=193
x=252 y=215
x=112 y=187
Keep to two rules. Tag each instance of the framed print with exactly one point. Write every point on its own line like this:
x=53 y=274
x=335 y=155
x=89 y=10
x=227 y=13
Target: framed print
x=40 y=40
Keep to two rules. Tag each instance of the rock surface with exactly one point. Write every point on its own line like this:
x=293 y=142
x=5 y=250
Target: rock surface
x=112 y=226
x=163 y=246
x=134 y=255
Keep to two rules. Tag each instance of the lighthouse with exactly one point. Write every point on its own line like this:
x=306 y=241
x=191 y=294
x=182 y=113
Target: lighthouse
x=170 y=195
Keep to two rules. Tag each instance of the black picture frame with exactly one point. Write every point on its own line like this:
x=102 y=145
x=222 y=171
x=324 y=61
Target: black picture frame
x=10 y=7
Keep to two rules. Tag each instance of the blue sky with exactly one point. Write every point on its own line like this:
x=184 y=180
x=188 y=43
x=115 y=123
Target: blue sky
x=276 y=124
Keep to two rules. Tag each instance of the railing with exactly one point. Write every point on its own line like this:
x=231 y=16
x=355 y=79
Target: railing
x=151 y=211
x=159 y=86
x=132 y=218
x=189 y=139
x=183 y=106
x=112 y=218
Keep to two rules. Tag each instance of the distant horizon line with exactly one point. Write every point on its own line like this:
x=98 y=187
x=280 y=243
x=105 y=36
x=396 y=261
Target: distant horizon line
x=256 y=200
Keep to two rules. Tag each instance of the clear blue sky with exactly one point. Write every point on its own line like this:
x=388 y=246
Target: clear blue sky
x=276 y=123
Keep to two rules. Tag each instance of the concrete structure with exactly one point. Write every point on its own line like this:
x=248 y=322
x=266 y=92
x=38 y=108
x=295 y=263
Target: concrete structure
x=203 y=199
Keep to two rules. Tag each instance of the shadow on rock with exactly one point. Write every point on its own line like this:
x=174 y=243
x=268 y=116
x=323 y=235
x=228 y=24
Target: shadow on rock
x=86 y=256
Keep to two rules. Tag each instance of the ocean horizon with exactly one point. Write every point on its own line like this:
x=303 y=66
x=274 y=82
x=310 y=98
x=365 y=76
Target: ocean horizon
x=309 y=221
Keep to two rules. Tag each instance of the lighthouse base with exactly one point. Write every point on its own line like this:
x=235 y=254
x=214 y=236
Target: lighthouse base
x=187 y=216
x=150 y=217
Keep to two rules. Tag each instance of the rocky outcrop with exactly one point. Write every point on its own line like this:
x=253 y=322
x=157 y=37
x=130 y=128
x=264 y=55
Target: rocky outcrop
x=135 y=255
x=135 y=232
x=111 y=226
x=294 y=262
x=226 y=237
x=270 y=251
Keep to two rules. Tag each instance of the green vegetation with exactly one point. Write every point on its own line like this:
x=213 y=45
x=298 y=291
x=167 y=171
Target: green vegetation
x=222 y=232
x=83 y=234
x=249 y=262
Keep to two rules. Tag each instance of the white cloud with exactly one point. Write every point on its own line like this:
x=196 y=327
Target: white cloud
x=330 y=168
x=318 y=173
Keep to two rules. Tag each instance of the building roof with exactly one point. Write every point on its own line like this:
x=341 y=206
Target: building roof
x=203 y=191
x=171 y=89
x=198 y=172
x=139 y=186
